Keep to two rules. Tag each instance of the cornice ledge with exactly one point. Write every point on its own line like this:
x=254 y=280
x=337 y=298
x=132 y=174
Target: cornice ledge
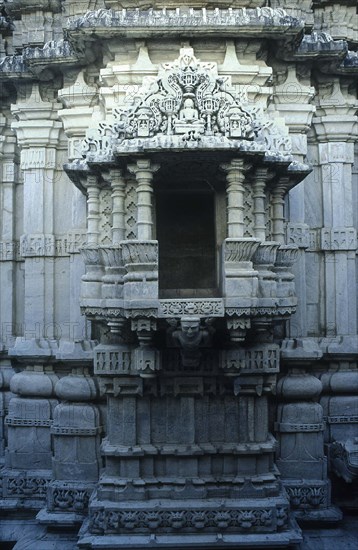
x=320 y=44
x=266 y=21
x=57 y=52
x=14 y=66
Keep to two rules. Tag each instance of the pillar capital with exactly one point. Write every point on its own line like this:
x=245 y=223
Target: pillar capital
x=37 y=123
x=143 y=169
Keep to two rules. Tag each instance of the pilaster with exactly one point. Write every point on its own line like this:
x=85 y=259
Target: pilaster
x=335 y=127
x=38 y=135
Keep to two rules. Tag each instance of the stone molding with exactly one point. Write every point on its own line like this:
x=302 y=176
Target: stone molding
x=40 y=245
x=175 y=516
x=25 y=485
x=337 y=239
x=308 y=495
x=68 y=496
x=173 y=19
x=177 y=308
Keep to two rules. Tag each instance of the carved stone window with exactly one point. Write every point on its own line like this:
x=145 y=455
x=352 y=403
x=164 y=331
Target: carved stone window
x=187 y=236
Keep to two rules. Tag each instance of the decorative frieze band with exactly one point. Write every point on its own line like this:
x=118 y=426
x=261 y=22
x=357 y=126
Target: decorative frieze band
x=10 y=251
x=105 y=521
x=298 y=234
x=340 y=419
x=112 y=361
x=37 y=245
x=70 y=430
x=327 y=238
x=207 y=308
x=36 y=158
x=265 y=359
x=68 y=497
x=307 y=496
x=179 y=18
x=42 y=245
x=25 y=422
x=344 y=238
x=25 y=486
x=287 y=427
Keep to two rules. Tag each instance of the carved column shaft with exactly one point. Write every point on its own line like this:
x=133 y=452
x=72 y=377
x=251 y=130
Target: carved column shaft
x=144 y=170
x=278 y=213
x=92 y=210
x=39 y=138
x=259 y=203
x=118 y=208
x=235 y=198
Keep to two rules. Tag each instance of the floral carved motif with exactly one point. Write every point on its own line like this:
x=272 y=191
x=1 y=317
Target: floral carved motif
x=115 y=521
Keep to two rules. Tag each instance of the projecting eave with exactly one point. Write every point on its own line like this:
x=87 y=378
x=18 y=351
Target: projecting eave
x=265 y=22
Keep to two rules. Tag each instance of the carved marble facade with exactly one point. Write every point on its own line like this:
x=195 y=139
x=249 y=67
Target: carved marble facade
x=178 y=269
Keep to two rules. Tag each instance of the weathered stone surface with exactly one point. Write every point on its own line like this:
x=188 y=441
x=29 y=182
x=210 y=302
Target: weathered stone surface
x=185 y=176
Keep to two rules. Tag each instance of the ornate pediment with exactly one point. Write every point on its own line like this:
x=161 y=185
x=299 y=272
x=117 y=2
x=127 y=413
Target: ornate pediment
x=187 y=105
x=190 y=100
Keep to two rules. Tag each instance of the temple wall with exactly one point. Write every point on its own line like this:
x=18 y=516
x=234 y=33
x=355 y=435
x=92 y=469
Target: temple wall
x=106 y=407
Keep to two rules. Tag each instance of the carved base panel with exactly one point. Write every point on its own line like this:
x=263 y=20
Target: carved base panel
x=310 y=500
x=65 y=496
x=190 y=516
x=67 y=503
x=28 y=488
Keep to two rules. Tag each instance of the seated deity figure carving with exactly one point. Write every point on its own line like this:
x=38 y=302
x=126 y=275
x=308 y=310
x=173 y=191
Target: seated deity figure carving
x=188 y=119
x=189 y=113
x=191 y=337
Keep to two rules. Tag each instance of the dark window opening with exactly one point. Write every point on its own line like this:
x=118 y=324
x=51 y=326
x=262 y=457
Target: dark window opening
x=187 y=251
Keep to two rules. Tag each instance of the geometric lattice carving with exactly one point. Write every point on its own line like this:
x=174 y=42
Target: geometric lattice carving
x=130 y=205
x=105 y=224
x=248 y=212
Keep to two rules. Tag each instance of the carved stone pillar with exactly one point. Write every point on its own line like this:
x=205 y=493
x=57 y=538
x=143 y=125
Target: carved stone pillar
x=76 y=460
x=118 y=207
x=6 y=373
x=340 y=406
x=335 y=127
x=9 y=246
x=259 y=197
x=92 y=210
x=144 y=171
x=38 y=134
x=235 y=177
x=29 y=452
x=278 y=211
x=300 y=428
